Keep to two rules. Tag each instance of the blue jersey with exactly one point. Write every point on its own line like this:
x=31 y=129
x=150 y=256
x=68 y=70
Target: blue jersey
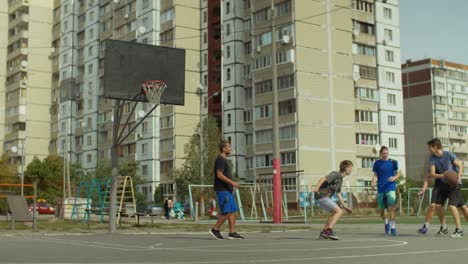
x=385 y=170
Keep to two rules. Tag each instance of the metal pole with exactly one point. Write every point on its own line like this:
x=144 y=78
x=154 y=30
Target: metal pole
x=34 y=205
x=114 y=164
x=201 y=139
x=276 y=147
x=22 y=166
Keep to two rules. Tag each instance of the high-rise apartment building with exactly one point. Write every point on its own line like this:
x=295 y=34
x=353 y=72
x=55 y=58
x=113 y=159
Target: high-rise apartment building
x=436 y=100
x=25 y=75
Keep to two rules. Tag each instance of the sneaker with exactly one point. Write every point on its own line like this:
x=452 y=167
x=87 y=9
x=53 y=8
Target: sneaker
x=393 y=232
x=235 y=236
x=333 y=236
x=423 y=230
x=324 y=234
x=387 y=228
x=216 y=234
x=443 y=231
x=458 y=233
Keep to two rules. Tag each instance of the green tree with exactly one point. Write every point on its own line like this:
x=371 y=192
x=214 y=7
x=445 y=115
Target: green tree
x=189 y=172
x=49 y=176
x=8 y=172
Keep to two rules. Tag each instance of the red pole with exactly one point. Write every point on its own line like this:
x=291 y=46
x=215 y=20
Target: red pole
x=277 y=201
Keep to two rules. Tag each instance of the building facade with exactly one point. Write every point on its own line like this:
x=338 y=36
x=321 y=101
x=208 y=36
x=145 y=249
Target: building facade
x=436 y=100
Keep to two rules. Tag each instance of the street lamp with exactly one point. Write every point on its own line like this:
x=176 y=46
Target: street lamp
x=14 y=149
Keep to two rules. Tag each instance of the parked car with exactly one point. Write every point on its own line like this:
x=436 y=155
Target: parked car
x=153 y=209
x=42 y=207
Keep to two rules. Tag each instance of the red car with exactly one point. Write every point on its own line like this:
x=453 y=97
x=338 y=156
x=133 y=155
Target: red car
x=42 y=207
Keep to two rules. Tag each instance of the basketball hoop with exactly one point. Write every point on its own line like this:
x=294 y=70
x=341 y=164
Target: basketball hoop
x=153 y=89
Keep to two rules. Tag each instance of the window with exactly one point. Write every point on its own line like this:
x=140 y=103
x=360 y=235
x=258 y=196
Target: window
x=228 y=29
x=263 y=39
x=288 y=158
x=457 y=129
x=391 y=99
x=361 y=27
x=144 y=148
x=366 y=94
x=228 y=74
x=248 y=163
x=283 y=8
x=262 y=15
x=65 y=25
x=144 y=127
x=166 y=166
x=367 y=139
x=167 y=15
x=458 y=101
x=166 y=122
x=264 y=136
x=248 y=93
x=247 y=72
x=228 y=8
x=91 y=16
x=144 y=170
x=387 y=13
x=391 y=120
x=364 y=116
x=248 y=139
x=248 y=116
x=204 y=17
x=205 y=37
x=263 y=87
x=65 y=9
x=89 y=140
x=263 y=111
x=228 y=51
x=89 y=158
x=263 y=160
x=363 y=6
x=388 y=34
x=390 y=77
x=228 y=97
x=90 y=51
x=288 y=132
x=228 y=120
x=389 y=55
x=286 y=81
x=166 y=35
x=287 y=107
x=262 y=62
x=440 y=100
x=283 y=56
x=363 y=50
x=367 y=72
x=392 y=143
x=247 y=47
x=90 y=68
x=367 y=162
x=65 y=58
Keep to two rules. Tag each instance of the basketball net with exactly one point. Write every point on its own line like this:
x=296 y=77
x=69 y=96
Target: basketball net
x=153 y=89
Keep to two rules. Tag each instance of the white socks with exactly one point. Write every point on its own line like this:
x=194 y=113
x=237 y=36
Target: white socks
x=392 y=224
x=386 y=220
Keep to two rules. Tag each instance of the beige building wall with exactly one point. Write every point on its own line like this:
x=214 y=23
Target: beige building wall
x=324 y=70
x=3 y=62
x=29 y=86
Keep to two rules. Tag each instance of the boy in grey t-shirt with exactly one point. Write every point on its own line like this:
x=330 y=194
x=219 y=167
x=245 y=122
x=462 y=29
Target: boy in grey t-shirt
x=326 y=187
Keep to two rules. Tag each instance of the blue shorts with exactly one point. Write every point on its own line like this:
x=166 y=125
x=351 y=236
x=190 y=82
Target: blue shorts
x=227 y=203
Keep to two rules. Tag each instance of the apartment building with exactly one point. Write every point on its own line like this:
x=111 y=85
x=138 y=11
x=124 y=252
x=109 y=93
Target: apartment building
x=338 y=81
x=82 y=118
x=436 y=100
x=25 y=82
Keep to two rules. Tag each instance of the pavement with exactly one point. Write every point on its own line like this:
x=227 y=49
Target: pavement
x=359 y=243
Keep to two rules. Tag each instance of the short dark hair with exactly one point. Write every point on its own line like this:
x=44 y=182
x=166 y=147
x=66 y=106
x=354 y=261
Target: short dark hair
x=435 y=142
x=223 y=144
x=345 y=164
x=382 y=149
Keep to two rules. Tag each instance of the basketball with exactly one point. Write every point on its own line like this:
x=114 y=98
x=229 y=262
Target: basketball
x=451 y=177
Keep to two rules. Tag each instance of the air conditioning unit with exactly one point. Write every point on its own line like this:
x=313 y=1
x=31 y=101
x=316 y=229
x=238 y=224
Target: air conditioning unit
x=24 y=82
x=126 y=16
x=460 y=134
x=259 y=49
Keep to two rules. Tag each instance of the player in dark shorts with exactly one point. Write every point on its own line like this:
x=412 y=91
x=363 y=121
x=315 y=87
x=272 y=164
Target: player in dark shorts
x=326 y=187
x=441 y=161
x=224 y=187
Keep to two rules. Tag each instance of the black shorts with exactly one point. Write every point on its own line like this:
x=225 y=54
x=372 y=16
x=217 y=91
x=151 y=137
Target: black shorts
x=454 y=194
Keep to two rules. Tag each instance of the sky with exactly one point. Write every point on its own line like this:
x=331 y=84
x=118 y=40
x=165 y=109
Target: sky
x=434 y=28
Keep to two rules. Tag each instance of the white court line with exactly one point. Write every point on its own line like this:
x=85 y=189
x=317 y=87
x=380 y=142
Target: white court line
x=191 y=249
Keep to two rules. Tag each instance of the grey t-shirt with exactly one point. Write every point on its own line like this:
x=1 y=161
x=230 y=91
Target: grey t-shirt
x=442 y=164
x=330 y=186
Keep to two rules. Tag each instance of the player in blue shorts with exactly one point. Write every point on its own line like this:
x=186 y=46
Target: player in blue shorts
x=224 y=187
x=385 y=175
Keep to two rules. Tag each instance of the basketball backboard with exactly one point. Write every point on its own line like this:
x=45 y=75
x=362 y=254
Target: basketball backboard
x=128 y=64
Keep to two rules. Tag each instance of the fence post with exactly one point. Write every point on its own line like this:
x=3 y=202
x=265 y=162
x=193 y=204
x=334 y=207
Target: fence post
x=34 y=205
x=196 y=211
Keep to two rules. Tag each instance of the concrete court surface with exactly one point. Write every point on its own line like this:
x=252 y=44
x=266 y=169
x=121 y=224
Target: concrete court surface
x=359 y=244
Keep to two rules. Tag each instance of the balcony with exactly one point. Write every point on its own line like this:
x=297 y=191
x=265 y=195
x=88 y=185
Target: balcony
x=16 y=53
x=461 y=149
x=368 y=128
x=457 y=135
x=364 y=60
x=56 y=32
x=15 y=69
x=19 y=35
x=16 y=85
x=364 y=39
x=18 y=5
x=105 y=126
x=365 y=150
x=363 y=16
x=19 y=20
x=15 y=135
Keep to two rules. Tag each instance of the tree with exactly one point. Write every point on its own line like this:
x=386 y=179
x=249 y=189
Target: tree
x=8 y=172
x=49 y=176
x=189 y=173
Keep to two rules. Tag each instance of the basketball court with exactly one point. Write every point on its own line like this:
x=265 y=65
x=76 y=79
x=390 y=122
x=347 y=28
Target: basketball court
x=358 y=244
